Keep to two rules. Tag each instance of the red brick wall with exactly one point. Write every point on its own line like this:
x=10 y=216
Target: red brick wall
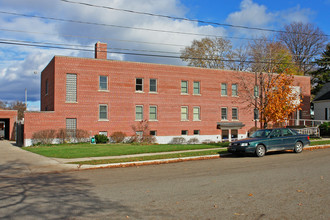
x=122 y=98
x=12 y=116
x=47 y=100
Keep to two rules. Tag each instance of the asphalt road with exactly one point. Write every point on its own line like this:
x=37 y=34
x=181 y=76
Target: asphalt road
x=277 y=186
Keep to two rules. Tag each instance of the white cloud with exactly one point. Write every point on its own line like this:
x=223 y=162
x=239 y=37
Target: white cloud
x=296 y=14
x=251 y=14
x=18 y=63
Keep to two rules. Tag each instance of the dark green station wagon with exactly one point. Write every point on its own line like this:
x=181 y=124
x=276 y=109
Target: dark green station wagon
x=268 y=140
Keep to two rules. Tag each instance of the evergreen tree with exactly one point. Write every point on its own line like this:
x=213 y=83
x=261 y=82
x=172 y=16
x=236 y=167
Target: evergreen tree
x=322 y=75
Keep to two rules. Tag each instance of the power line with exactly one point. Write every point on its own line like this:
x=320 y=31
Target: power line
x=42 y=45
x=187 y=19
x=94 y=38
x=129 y=41
x=121 y=26
x=82 y=46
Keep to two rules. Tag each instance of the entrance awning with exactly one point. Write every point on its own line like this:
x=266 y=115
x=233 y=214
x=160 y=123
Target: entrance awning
x=230 y=125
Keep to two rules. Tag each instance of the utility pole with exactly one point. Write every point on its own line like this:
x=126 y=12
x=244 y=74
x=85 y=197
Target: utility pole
x=25 y=98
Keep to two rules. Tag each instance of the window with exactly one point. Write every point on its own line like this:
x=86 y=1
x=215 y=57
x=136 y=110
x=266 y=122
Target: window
x=103 y=112
x=197 y=115
x=197 y=89
x=184 y=132
x=153 y=113
x=71 y=87
x=139 y=85
x=103 y=83
x=256 y=91
x=71 y=127
x=184 y=113
x=46 y=87
x=225 y=134
x=234 y=134
x=184 y=87
x=256 y=114
x=223 y=113
x=153 y=85
x=139 y=134
x=105 y=133
x=287 y=132
x=223 y=89
x=153 y=133
x=139 y=112
x=234 y=90
x=196 y=132
x=326 y=114
x=234 y=114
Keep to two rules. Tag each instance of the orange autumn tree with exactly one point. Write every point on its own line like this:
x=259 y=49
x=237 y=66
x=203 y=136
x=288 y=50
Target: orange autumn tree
x=282 y=100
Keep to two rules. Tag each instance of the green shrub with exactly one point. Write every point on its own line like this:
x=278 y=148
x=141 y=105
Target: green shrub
x=325 y=129
x=101 y=139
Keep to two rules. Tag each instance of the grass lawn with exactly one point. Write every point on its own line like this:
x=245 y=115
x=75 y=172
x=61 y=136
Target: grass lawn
x=154 y=157
x=319 y=142
x=99 y=150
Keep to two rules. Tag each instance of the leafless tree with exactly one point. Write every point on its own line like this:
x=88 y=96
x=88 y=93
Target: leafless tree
x=3 y=105
x=240 y=56
x=208 y=53
x=20 y=107
x=305 y=42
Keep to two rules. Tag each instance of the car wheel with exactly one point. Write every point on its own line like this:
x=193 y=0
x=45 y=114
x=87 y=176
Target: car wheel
x=298 y=147
x=260 y=150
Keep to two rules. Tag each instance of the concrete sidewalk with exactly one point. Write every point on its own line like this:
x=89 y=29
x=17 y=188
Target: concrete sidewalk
x=15 y=161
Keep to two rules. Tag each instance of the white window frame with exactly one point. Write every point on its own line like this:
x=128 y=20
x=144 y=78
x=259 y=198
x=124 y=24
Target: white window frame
x=156 y=113
x=226 y=116
x=136 y=84
x=198 y=113
x=186 y=87
x=232 y=114
x=234 y=90
x=256 y=91
x=198 y=88
x=107 y=112
x=107 y=83
x=184 y=115
x=185 y=131
x=224 y=89
x=156 y=86
x=136 y=113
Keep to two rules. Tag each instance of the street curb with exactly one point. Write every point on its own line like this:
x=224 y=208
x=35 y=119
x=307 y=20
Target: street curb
x=167 y=161
x=150 y=162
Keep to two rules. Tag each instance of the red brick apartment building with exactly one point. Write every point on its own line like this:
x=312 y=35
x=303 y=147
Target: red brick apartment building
x=105 y=96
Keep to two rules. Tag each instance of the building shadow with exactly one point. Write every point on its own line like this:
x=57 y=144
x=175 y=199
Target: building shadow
x=52 y=196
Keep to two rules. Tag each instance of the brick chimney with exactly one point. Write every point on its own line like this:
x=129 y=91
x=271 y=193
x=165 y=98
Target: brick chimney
x=100 y=50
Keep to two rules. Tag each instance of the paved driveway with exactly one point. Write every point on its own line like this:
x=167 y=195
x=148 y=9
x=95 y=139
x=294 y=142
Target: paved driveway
x=16 y=161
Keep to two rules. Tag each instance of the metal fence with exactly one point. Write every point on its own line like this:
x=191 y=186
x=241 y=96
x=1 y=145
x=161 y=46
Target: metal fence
x=306 y=122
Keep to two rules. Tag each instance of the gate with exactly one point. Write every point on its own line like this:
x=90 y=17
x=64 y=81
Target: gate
x=20 y=134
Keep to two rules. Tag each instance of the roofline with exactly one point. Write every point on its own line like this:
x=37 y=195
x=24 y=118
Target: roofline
x=159 y=64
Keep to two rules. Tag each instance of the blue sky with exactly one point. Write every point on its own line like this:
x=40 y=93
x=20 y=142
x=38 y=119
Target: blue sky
x=20 y=66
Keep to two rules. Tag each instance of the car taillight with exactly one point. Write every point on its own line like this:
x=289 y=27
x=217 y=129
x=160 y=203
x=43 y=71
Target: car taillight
x=307 y=137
